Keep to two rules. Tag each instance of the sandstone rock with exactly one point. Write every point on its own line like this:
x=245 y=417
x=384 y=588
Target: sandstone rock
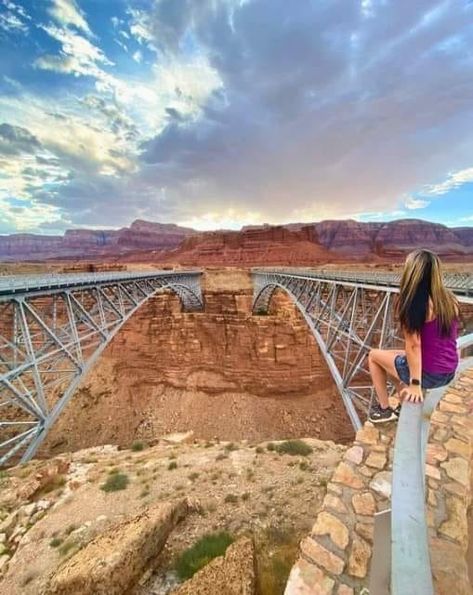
x=456 y=526
x=345 y=475
x=376 y=460
x=458 y=447
x=345 y=590
x=457 y=469
x=381 y=483
x=364 y=504
x=114 y=561
x=328 y=524
x=178 y=437
x=451 y=408
x=366 y=531
x=432 y=471
x=354 y=455
x=232 y=574
x=435 y=452
x=367 y=435
x=359 y=558
x=321 y=556
x=308 y=579
x=334 y=503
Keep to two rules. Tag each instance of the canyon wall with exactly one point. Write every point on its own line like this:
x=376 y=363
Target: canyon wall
x=292 y=244
x=223 y=373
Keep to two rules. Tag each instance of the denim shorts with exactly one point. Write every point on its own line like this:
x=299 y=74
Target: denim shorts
x=429 y=380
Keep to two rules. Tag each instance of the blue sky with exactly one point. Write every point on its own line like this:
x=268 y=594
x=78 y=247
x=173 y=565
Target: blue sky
x=223 y=113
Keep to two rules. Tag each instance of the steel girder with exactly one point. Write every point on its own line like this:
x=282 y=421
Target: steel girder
x=52 y=330
x=348 y=314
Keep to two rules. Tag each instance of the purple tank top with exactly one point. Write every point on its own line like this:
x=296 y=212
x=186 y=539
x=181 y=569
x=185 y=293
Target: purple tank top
x=439 y=354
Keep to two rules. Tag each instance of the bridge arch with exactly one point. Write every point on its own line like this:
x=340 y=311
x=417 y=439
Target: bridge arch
x=344 y=324
x=53 y=331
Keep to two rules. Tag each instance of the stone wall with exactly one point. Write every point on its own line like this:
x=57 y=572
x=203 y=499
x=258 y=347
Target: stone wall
x=335 y=558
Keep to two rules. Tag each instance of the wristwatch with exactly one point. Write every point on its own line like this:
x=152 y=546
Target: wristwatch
x=415 y=381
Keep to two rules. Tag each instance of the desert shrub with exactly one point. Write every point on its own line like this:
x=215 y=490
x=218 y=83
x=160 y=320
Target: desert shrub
x=231 y=446
x=172 y=465
x=193 y=476
x=259 y=450
x=294 y=447
x=221 y=456
x=271 y=446
x=66 y=547
x=231 y=498
x=116 y=481
x=245 y=496
x=55 y=542
x=201 y=553
x=304 y=466
x=138 y=446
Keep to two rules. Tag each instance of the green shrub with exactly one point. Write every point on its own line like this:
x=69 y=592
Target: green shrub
x=294 y=447
x=232 y=498
x=138 y=445
x=221 y=456
x=259 y=450
x=271 y=446
x=115 y=482
x=193 y=476
x=55 y=542
x=201 y=553
x=172 y=465
x=231 y=446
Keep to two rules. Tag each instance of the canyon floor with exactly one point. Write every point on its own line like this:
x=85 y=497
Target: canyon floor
x=52 y=509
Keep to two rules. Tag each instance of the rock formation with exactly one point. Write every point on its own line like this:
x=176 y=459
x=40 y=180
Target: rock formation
x=292 y=244
x=113 y=562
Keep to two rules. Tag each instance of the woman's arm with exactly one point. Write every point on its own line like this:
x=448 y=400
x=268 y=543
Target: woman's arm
x=413 y=392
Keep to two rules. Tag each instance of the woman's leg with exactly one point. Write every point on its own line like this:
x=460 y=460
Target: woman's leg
x=381 y=364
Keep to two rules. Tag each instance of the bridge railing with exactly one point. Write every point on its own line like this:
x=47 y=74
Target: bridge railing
x=410 y=559
x=461 y=283
x=13 y=283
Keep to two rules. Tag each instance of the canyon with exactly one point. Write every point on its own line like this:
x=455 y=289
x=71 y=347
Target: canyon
x=292 y=244
x=261 y=377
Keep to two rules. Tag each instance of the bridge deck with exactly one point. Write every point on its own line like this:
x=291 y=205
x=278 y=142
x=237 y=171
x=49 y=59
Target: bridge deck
x=18 y=284
x=459 y=283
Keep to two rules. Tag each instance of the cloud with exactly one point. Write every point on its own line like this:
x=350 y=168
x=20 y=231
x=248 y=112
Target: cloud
x=247 y=111
x=13 y=18
x=454 y=180
x=15 y=140
x=66 y=12
x=415 y=203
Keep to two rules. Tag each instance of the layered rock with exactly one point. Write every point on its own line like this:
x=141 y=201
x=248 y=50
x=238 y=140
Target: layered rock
x=262 y=377
x=253 y=246
x=112 y=563
x=79 y=243
x=292 y=244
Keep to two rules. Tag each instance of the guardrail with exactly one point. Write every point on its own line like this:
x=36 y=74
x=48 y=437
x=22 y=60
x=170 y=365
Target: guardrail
x=25 y=283
x=410 y=560
x=460 y=283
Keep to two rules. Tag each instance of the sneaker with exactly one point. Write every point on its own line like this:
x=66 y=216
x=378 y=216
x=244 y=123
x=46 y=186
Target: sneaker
x=378 y=415
x=397 y=410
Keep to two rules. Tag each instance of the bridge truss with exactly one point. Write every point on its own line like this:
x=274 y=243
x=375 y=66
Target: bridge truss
x=52 y=330
x=348 y=313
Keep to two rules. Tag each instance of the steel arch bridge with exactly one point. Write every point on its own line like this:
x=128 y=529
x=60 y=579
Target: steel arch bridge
x=348 y=313
x=52 y=330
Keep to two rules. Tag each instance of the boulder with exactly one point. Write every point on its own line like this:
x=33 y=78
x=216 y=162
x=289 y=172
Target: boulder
x=112 y=563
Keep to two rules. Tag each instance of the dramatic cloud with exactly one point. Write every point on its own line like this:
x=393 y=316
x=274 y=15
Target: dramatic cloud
x=230 y=112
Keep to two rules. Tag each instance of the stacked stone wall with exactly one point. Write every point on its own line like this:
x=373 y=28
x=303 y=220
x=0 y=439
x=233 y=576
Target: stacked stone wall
x=335 y=558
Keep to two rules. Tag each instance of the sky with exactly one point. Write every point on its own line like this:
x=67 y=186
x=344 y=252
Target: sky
x=224 y=113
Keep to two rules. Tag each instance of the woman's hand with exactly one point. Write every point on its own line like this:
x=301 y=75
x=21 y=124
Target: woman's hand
x=412 y=394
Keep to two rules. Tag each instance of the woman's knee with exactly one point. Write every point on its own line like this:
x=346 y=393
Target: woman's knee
x=373 y=354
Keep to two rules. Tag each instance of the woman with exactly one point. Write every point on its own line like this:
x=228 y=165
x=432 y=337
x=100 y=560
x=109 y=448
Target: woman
x=428 y=315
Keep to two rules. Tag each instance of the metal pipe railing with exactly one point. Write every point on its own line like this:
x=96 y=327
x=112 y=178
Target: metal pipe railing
x=410 y=560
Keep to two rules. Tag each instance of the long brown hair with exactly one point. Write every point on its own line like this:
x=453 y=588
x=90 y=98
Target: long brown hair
x=421 y=280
